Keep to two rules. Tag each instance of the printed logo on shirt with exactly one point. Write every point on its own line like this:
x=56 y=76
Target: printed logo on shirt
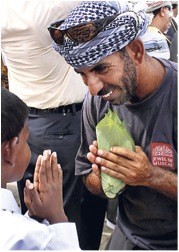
x=162 y=155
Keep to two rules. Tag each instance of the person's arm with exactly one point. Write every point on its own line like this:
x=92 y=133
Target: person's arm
x=44 y=197
x=134 y=169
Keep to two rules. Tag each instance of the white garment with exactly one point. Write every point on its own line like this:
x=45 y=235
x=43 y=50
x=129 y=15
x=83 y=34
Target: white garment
x=155 y=43
x=19 y=232
x=37 y=73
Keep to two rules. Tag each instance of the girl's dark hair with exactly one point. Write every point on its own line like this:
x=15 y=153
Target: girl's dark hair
x=14 y=113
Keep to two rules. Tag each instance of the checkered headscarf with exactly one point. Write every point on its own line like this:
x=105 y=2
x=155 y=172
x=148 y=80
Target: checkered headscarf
x=127 y=26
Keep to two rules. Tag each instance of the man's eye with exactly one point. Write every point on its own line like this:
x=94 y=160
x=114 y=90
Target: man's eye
x=102 y=69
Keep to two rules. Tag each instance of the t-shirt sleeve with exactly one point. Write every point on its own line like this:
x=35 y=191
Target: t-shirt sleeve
x=88 y=135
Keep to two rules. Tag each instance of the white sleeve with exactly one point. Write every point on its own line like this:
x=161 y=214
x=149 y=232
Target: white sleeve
x=23 y=233
x=65 y=237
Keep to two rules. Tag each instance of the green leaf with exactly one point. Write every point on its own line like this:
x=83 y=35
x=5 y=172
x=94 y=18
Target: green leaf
x=110 y=132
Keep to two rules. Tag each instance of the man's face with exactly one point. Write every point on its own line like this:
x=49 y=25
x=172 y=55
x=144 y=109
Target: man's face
x=113 y=78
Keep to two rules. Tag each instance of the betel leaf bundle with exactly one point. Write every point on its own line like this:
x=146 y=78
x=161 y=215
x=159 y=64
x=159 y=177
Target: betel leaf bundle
x=110 y=132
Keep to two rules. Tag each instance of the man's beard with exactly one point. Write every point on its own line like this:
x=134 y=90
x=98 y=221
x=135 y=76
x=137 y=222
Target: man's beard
x=127 y=85
x=129 y=81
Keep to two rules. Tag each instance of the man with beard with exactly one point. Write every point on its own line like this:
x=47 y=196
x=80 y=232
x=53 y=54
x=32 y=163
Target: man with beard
x=101 y=40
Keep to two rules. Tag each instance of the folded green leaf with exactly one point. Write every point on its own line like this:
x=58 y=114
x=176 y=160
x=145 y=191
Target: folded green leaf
x=110 y=132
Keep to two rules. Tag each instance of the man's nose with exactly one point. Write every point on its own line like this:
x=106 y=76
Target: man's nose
x=95 y=84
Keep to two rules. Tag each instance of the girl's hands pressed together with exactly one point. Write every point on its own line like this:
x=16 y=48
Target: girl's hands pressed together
x=44 y=197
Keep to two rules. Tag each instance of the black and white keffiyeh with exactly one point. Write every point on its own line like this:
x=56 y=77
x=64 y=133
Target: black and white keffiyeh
x=127 y=26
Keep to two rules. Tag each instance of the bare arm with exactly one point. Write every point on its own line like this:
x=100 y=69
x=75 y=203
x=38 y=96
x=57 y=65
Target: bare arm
x=163 y=181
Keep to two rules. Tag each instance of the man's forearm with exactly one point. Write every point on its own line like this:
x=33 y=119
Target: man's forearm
x=164 y=181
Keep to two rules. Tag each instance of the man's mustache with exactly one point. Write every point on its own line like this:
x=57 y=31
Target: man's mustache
x=108 y=88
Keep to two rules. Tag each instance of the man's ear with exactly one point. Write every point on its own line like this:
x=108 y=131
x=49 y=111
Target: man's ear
x=162 y=12
x=137 y=50
x=8 y=151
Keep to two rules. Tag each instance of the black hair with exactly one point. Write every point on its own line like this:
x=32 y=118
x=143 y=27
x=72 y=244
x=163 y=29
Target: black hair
x=14 y=113
x=174 y=6
x=155 y=12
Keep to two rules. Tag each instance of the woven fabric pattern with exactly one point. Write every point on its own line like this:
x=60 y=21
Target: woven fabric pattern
x=127 y=26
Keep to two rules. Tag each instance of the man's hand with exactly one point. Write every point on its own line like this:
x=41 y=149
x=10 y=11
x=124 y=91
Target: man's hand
x=133 y=168
x=44 y=197
x=93 y=179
